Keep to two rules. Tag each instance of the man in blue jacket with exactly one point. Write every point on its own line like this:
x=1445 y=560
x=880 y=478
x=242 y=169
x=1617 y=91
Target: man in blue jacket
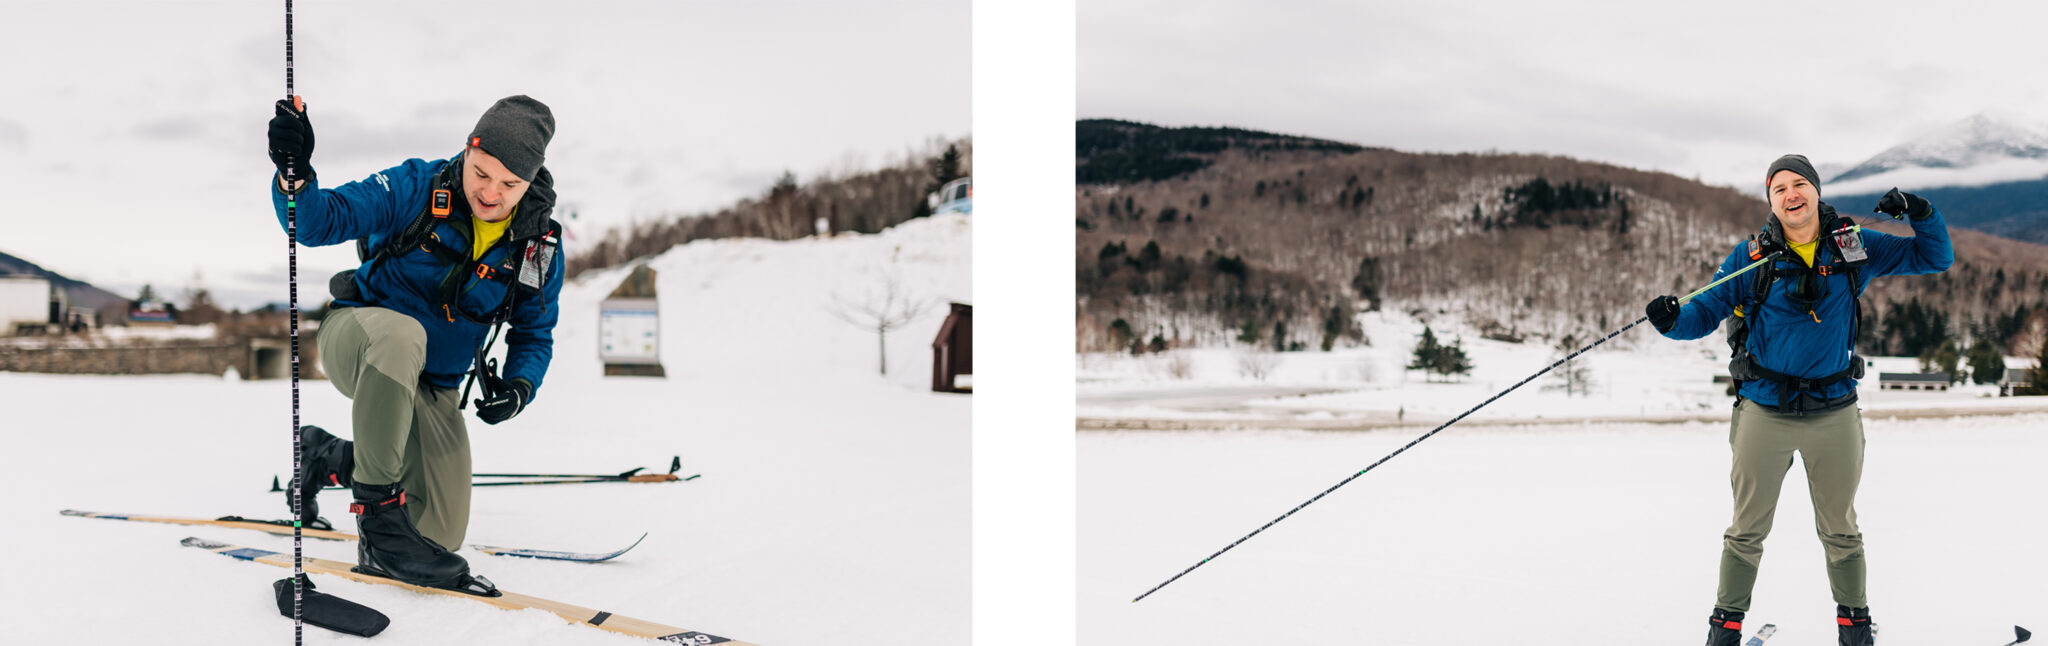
x=1794 y=336
x=450 y=249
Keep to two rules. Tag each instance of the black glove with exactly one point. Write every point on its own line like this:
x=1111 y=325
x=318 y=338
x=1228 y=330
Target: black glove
x=291 y=139
x=502 y=399
x=1663 y=312
x=1898 y=205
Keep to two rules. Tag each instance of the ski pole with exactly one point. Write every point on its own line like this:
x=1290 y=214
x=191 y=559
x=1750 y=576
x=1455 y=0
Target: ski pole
x=675 y=464
x=1454 y=420
x=291 y=232
x=645 y=478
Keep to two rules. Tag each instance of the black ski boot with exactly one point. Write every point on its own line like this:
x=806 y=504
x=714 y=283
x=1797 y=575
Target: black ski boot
x=1724 y=628
x=327 y=461
x=392 y=548
x=1855 y=627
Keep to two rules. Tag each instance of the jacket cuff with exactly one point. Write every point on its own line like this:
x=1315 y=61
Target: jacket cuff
x=277 y=182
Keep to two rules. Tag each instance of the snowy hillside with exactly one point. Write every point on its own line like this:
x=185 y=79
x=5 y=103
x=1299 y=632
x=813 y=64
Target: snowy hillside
x=1983 y=149
x=833 y=507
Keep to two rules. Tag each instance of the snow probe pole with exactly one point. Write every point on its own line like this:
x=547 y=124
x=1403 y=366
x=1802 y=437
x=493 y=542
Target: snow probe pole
x=1454 y=420
x=291 y=232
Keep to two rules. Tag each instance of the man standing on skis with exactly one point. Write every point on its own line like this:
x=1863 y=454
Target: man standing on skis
x=1793 y=336
x=450 y=249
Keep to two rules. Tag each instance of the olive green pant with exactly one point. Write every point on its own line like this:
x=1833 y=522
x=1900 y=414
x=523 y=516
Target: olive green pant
x=1831 y=444
x=405 y=432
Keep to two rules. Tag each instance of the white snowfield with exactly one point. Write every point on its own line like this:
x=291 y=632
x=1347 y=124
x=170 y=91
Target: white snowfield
x=1637 y=376
x=833 y=507
x=1542 y=536
x=1546 y=519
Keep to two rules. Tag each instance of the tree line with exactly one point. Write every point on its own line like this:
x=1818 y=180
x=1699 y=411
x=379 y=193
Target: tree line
x=861 y=202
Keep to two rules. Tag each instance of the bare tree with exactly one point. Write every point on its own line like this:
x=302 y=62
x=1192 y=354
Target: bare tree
x=1256 y=363
x=882 y=311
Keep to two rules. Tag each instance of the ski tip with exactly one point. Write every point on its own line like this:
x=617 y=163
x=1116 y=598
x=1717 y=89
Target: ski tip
x=74 y=512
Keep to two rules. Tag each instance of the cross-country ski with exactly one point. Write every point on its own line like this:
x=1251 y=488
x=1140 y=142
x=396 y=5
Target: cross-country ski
x=284 y=528
x=1762 y=635
x=504 y=599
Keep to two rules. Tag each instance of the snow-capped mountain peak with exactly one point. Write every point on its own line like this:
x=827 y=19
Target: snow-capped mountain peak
x=1997 y=143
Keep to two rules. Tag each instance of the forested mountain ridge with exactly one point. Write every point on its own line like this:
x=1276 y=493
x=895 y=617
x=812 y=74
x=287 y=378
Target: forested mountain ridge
x=1234 y=236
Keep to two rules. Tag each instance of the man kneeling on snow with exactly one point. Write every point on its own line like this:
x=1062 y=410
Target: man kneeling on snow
x=1795 y=363
x=450 y=248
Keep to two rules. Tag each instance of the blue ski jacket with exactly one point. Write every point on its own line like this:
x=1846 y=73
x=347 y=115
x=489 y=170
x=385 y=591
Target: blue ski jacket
x=381 y=206
x=1817 y=341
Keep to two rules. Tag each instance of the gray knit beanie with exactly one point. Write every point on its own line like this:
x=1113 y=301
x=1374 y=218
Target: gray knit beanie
x=1796 y=164
x=516 y=130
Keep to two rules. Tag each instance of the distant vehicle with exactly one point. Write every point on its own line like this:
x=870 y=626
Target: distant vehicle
x=955 y=196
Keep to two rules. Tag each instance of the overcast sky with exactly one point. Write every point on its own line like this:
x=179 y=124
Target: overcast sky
x=132 y=132
x=1713 y=90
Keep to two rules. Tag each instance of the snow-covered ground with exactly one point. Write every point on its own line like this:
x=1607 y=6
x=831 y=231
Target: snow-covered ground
x=833 y=507
x=1637 y=376
x=1546 y=518
x=1542 y=535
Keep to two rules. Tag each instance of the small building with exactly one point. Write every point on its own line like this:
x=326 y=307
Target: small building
x=953 y=352
x=1935 y=381
x=2015 y=381
x=629 y=328
x=28 y=304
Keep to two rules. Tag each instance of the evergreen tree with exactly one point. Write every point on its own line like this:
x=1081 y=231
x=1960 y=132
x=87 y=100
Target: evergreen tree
x=1148 y=257
x=2037 y=380
x=1248 y=333
x=945 y=167
x=1334 y=326
x=1280 y=336
x=1426 y=351
x=785 y=186
x=1987 y=365
x=1941 y=358
x=1120 y=334
x=1111 y=257
x=1367 y=282
x=1452 y=360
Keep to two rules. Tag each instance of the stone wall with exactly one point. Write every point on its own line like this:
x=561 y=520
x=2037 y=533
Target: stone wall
x=252 y=358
